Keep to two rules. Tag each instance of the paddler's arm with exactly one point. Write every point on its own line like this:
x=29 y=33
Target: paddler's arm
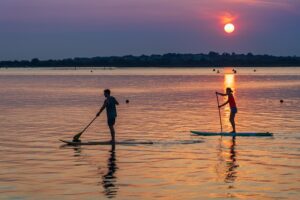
x=224 y=104
x=102 y=108
x=221 y=94
x=117 y=103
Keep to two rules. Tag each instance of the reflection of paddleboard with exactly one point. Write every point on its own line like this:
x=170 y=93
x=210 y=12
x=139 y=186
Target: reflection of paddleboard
x=245 y=134
x=129 y=142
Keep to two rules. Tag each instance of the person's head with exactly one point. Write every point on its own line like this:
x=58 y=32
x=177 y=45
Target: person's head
x=106 y=92
x=228 y=90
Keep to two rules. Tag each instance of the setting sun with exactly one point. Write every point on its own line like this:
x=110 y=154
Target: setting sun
x=229 y=28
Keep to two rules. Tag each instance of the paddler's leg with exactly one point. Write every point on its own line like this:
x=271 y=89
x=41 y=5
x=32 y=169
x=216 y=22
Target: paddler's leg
x=112 y=132
x=111 y=123
x=231 y=119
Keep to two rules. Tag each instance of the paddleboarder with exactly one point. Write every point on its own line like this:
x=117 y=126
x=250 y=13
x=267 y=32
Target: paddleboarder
x=110 y=105
x=232 y=104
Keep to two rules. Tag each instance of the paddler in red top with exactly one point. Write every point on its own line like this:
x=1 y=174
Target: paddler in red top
x=233 y=108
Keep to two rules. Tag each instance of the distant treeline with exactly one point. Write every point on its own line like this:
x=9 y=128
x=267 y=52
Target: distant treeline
x=212 y=59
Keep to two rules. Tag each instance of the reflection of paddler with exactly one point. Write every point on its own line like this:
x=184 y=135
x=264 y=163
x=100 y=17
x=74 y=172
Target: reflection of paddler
x=232 y=165
x=232 y=104
x=109 y=179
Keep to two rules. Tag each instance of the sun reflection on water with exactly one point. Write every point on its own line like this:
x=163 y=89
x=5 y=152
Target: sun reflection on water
x=229 y=81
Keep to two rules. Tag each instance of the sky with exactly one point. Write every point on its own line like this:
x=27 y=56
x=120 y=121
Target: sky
x=56 y=29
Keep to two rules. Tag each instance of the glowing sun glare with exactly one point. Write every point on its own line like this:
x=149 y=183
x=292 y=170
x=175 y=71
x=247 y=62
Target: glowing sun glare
x=229 y=28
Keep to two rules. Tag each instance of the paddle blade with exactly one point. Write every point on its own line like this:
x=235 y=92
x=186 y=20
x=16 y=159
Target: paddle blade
x=76 y=137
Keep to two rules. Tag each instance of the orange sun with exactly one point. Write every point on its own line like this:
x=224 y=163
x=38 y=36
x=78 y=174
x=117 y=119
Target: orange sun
x=229 y=28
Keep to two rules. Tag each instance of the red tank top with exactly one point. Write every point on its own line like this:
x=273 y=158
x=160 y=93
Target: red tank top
x=231 y=101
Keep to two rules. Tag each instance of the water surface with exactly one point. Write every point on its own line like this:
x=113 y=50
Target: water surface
x=40 y=106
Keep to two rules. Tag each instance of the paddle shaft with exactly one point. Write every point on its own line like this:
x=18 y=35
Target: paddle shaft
x=77 y=136
x=219 y=112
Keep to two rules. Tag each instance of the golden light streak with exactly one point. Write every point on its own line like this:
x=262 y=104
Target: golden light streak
x=229 y=81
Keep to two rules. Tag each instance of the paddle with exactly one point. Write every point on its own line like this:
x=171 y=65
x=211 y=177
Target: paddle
x=219 y=112
x=77 y=136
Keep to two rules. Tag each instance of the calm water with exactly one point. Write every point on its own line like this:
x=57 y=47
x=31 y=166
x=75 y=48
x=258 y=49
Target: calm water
x=39 y=107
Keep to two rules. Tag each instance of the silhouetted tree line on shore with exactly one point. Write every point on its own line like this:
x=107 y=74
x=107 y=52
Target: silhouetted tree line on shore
x=212 y=59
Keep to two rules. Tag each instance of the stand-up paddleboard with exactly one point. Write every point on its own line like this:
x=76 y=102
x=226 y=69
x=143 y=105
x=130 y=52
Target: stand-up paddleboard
x=129 y=142
x=242 y=134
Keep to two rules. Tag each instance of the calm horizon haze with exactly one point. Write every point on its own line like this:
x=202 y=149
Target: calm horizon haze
x=73 y=28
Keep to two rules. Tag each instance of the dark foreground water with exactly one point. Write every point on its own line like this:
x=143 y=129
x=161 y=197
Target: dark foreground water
x=39 y=107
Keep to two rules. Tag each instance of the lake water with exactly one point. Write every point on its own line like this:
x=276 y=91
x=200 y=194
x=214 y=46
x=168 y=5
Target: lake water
x=40 y=106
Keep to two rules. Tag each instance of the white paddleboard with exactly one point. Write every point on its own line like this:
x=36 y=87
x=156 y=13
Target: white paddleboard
x=129 y=142
x=245 y=134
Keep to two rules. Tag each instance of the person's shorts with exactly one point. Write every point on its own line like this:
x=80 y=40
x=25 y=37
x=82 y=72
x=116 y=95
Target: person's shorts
x=111 y=121
x=233 y=110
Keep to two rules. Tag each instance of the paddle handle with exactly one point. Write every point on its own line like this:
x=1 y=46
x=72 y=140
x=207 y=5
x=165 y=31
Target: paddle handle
x=89 y=124
x=219 y=113
x=77 y=136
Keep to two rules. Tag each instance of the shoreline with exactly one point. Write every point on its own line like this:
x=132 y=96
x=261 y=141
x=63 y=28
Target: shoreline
x=210 y=71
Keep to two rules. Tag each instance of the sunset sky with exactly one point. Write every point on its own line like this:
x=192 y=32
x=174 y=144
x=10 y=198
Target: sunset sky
x=48 y=29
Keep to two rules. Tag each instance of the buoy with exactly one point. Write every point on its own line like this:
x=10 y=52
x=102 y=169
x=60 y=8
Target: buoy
x=214 y=70
x=127 y=101
x=281 y=101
